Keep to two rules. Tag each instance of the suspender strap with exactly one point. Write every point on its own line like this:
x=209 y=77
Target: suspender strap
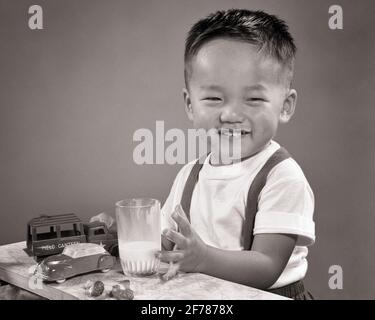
x=189 y=187
x=252 y=197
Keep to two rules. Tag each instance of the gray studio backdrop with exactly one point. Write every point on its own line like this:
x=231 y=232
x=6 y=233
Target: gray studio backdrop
x=72 y=95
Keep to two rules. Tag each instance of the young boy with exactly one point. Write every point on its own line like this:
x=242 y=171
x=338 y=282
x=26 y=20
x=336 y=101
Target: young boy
x=249 y=222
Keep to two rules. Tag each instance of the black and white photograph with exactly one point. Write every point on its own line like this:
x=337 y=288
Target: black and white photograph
x=187 y=151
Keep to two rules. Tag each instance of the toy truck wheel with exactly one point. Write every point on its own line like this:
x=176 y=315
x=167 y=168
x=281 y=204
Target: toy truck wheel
x=105 y=270
x=60 y=281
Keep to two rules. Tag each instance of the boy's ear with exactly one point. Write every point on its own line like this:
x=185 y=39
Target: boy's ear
x=289 y=106
x=187 y=101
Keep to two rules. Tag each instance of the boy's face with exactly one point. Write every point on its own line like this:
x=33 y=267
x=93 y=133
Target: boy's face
x=234 y=86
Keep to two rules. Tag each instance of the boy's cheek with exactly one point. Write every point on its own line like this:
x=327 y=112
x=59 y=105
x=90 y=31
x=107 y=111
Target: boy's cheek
x=205 y=117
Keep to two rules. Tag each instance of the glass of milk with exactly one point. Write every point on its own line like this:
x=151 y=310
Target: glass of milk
x=138 y=228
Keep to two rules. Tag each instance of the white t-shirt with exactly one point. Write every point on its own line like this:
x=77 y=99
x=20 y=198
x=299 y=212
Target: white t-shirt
x=286 y=205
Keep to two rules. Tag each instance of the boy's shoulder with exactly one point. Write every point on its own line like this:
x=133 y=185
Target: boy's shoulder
x=289 y=169
x=288 y=176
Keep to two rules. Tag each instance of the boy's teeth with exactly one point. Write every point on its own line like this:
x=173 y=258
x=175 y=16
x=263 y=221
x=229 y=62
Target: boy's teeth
x=233 y=133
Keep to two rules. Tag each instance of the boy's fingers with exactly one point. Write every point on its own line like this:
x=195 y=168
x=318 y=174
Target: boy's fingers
x=175 y=237
x=170 y=256
x=182 y=222
x=166 y=244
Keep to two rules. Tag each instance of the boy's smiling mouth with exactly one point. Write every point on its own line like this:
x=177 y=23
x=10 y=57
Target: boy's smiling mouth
x=235 y=133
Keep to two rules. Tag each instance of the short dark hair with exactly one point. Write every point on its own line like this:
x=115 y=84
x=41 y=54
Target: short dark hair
x=266 y=31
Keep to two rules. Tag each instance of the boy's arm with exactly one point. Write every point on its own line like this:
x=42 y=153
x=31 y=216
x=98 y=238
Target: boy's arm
x=258 y=268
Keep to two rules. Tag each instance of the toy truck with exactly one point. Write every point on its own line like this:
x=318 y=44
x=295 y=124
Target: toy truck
x=97 y=232
x=49 y=235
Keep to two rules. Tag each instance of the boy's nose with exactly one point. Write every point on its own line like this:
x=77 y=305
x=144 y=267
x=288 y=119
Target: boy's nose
x=232 y=114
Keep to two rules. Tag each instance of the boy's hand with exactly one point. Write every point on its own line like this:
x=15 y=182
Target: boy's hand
x=191 y=250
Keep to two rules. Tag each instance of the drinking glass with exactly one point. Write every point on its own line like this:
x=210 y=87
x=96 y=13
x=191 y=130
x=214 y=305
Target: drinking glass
x=138 y=227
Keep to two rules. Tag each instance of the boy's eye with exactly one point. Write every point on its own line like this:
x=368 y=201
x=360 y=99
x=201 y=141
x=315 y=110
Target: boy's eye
x=212 y=99
x=256 y=99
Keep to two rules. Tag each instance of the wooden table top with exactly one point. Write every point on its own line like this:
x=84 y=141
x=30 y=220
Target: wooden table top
x=16 y=268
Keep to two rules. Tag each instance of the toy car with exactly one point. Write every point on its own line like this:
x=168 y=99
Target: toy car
x=74 y=260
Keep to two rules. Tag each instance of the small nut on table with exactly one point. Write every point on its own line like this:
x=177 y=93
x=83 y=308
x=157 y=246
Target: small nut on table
x=122 y=294
x=94 y=289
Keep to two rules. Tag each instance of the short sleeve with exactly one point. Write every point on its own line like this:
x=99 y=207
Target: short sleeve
x=286 y=205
